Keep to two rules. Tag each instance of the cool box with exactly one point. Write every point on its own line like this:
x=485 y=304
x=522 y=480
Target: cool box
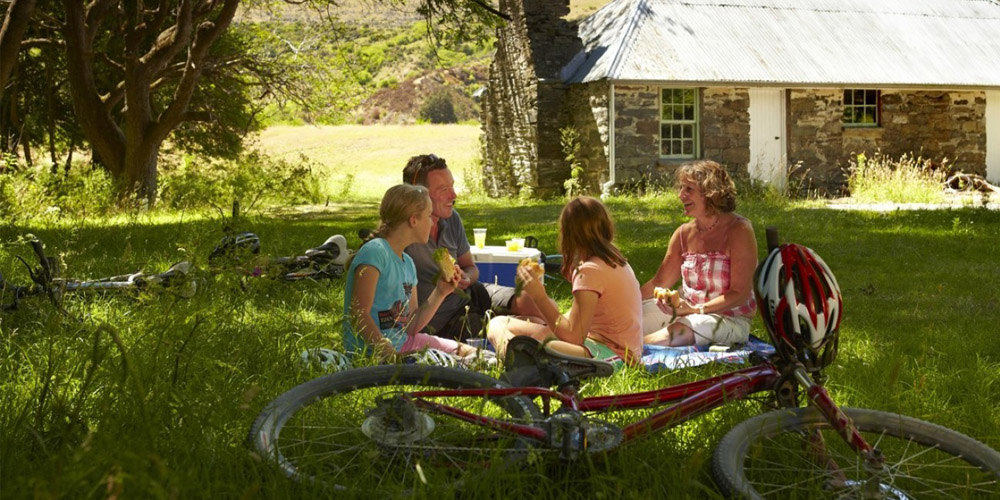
x=499 y=265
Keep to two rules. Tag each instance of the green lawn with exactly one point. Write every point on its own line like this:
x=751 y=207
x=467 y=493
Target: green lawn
x=152 y=396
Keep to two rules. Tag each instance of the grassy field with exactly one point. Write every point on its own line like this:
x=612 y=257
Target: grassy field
x=364 y=161
x=152 y=396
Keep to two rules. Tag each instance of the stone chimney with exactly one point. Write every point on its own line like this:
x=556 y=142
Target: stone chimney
x=523 y=108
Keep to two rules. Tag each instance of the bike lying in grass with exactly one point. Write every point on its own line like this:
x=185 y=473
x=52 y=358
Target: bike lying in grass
x=325 y=261
x=386 y=427
x=46 y=281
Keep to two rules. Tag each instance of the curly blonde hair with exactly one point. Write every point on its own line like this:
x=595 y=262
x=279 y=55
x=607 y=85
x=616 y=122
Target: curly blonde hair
x=713 y=180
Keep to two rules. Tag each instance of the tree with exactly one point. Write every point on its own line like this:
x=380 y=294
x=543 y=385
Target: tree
x=139 y=71
x=173 y=40
x=15 y=24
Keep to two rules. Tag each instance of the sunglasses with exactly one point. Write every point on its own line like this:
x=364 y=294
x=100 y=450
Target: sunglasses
x=428 y=161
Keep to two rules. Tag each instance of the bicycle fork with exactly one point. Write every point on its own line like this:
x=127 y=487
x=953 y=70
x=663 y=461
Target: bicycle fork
x=874 y=461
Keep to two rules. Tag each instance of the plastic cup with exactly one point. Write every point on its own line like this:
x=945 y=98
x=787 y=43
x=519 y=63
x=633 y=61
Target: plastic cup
x=512 y=245
x=478 y=343
x=519 y=243
x=479 y=234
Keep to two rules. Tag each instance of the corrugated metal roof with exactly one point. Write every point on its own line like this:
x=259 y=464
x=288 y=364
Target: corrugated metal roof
x=887 y=43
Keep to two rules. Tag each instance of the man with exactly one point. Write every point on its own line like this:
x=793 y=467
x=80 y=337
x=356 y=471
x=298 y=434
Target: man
x=461 y=314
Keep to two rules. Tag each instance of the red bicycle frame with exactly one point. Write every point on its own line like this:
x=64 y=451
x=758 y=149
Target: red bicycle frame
x=689 y=400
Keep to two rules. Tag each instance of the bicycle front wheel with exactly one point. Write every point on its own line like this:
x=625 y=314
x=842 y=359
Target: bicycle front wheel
x=779 y=455
x=353 y=430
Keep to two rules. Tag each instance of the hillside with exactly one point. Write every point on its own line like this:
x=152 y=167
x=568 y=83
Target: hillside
x=369 y=63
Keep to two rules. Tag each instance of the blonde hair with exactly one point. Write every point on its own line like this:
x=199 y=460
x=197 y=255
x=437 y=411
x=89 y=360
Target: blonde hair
x=400 y=203
x=714 y=181
x=586 y=230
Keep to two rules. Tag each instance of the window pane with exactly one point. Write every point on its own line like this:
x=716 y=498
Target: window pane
x=848 y=95
x=688 y=147
x=665 y=112
x=688 y=131
x=868 y=115
x=678 y=112
x=688 y=97
x=664 y=131
x=675 y=148
x=870 y=97
x=848 y=114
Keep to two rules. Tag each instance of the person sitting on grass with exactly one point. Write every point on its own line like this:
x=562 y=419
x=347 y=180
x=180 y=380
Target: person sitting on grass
x=714 y=255
x=383 y=315
x=461 y=314
x=605 y=321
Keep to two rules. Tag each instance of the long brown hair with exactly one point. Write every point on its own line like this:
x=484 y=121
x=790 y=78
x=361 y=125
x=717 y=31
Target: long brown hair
x=586 y=230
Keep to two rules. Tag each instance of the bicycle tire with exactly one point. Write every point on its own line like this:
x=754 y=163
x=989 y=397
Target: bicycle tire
x=923 y=460
x=340 y=406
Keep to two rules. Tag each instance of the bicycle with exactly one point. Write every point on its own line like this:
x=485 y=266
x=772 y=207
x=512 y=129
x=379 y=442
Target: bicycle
x=324 y=261
x=425 y=423
x=46 y=281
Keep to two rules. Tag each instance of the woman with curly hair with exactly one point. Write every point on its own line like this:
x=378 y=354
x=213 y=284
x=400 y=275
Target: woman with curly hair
x=714 y=256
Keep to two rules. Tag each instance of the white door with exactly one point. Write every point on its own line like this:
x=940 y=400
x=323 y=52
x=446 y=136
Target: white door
x=993 y=136
x=767 y=136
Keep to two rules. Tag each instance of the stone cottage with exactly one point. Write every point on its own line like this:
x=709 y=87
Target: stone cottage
x=773 y=89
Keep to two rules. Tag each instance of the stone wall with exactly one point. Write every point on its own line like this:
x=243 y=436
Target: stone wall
x=932 y=124
x=936 y=125
x=523 y=108
x=725 y=128
x=815 y=139
x=587 y=112
x=637 y=132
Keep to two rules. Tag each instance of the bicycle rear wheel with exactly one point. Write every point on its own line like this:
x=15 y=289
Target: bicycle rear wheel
x=349 y=430
x=774 y=456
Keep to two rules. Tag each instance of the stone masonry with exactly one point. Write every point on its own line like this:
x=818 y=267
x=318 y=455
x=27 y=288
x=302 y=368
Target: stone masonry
x=523 y=109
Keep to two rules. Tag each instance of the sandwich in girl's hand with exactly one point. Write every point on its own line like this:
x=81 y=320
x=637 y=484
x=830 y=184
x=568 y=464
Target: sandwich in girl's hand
x=446 y=262
x=667 y=294
x=536 y=270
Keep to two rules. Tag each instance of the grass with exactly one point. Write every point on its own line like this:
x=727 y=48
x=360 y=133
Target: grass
x=152 y=396
x=364 y=161
x=881 y=179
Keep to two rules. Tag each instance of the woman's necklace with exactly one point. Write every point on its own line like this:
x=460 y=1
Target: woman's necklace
x=700 y=230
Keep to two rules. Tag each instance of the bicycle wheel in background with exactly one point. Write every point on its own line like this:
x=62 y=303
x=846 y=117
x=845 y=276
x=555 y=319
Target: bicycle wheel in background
x=347 y=430
x=769 y=456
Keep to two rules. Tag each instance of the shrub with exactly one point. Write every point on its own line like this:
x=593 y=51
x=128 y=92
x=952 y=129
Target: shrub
x=252 y=178
x=438 y=108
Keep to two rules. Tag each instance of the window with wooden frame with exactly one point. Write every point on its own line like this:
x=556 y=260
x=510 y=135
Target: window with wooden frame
x=861 y=107
x=679 y=123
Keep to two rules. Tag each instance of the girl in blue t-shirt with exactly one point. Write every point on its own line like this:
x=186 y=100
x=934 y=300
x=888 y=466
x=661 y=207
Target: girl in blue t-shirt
x=383 y=316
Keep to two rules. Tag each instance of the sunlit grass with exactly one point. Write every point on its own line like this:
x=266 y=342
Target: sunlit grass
x=907 y=179
x=365 y=161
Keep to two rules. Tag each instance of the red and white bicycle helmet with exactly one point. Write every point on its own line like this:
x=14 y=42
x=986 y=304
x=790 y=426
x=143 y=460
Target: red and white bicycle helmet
x=801 y=305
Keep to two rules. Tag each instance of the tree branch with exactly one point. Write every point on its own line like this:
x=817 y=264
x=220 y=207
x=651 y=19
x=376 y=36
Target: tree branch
x=207 y=33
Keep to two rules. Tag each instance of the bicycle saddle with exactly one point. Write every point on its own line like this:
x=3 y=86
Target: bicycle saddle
x=530 y=363
x=333 y=250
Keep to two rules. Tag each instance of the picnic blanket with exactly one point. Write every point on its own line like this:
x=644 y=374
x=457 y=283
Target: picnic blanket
x=656 y=358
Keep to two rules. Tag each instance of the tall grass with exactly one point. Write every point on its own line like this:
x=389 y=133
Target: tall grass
x=907 y=179
x=152 y=396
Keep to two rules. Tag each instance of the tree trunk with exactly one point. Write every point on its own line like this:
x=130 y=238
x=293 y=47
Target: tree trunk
x=140 y=170
x=15 y=23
